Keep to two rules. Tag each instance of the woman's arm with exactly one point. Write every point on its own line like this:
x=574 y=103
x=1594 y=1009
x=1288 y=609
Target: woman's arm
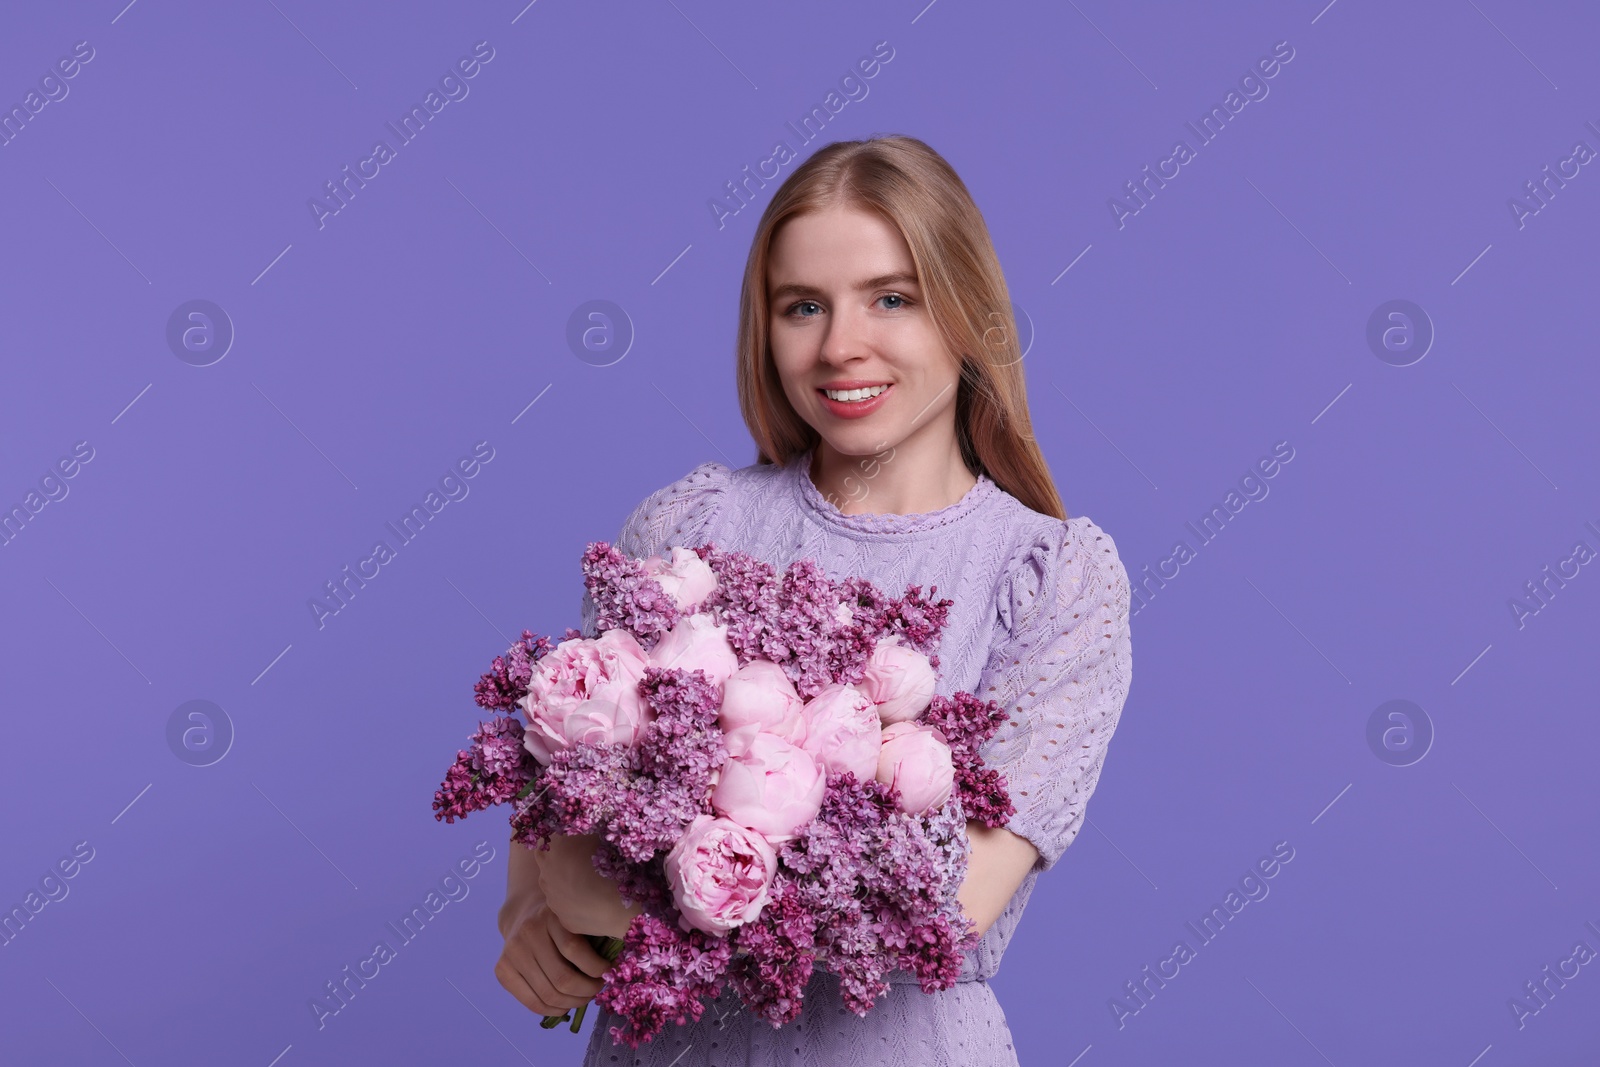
x=582 y=899
x=523 y=893
x=1000 y=860
x=546 y=966
x=1062 y=674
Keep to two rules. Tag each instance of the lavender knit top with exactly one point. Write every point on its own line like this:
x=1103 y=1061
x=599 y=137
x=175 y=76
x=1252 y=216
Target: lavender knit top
x=1039 y=623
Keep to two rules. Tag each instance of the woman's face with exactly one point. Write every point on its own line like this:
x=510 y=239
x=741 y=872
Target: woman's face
x=847 y=312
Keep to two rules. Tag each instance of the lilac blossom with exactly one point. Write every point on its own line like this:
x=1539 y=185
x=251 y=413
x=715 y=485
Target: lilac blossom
x=507 y=679
x=492 y=771
x=625 y=596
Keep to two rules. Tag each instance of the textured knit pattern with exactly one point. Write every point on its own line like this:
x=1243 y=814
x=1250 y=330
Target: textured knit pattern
x=1039 y=623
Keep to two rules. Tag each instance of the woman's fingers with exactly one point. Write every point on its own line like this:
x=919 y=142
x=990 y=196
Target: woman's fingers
x=564 y=977
x=577 y=950
x=510 y=976
x=534 y=971
x=524 y=978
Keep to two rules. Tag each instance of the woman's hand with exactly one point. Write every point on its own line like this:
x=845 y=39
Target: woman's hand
x=546 y=966
x=996 y=867
x=581 y=898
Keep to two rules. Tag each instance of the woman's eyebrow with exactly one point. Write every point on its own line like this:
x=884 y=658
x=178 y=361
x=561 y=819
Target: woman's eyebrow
x=795 y=289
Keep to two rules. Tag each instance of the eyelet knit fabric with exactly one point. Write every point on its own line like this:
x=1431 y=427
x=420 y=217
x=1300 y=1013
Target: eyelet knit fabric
x=1039 y=623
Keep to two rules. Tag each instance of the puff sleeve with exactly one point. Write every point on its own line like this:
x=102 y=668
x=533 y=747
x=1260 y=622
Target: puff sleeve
x=674 y=515
x=1062 y=670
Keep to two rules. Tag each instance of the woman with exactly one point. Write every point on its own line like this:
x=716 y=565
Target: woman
x=880 y=377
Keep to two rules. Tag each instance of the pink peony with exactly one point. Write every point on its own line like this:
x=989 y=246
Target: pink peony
x=843 y=731
x=585 y=691
x=773 y=788
x=759 y=697
x=719 y=872
x=697 y=642
x=916 y=760
x=899 y=680
x=684 y=577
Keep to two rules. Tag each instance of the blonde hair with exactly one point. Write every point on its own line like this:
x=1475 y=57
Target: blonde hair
x=911 y=186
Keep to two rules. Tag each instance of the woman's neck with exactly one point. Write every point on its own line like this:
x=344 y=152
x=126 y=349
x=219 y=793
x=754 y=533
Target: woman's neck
x=910 y=478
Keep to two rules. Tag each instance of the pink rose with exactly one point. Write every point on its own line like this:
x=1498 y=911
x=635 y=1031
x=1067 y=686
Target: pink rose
x=685 y=577
x=759 y=697
x=697 y=642
x=585 y=691
x=843 y=731
x=916 y=760
x=773 y=788
x=719 y=872
x=899 y=680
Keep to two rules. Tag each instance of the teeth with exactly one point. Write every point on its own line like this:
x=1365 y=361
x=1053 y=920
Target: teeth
x=854 y=394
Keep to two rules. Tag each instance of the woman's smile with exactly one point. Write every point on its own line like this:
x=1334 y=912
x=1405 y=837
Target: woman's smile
x=855 y=403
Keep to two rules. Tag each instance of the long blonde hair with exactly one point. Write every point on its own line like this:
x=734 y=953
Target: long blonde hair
x=909 y=184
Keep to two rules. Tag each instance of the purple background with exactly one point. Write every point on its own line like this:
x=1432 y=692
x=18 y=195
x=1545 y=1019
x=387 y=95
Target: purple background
x=1229 y=314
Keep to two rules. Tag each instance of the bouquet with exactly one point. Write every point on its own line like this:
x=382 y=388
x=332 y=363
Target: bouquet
x=771 y=776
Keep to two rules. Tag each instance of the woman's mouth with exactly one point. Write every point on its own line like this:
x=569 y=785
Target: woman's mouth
x=855 y=403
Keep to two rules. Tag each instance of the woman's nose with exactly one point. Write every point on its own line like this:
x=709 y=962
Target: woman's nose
x=846 y=338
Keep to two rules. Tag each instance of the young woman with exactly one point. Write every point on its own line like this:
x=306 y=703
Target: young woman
x=880 y=377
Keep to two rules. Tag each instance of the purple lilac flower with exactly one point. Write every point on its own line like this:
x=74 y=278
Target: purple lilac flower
x=576 y=793
x=664 y=974
x=507 y=679
x=967 y=722
x=772 y=974
x=792 y=618
x=494 y=769
x=625 y=596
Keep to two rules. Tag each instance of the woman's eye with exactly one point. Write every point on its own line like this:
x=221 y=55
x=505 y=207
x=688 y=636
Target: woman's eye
x=894 y=296
x=803 y=304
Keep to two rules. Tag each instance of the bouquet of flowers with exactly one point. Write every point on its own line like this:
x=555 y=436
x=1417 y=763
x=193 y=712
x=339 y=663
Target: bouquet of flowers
x=768 y=769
